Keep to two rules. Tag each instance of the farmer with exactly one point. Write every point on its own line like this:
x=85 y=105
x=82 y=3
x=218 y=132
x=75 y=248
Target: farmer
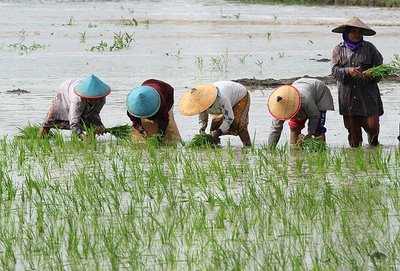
x=150 y=110
x=228 y=102
x=359 y=98
x=305 y=99
x=77 y=104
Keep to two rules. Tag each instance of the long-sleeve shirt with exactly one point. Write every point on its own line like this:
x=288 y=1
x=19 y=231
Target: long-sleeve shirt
x=229 y=93
x=71 y=107
x=315 y=97
x=166 y=93
x=357 y=97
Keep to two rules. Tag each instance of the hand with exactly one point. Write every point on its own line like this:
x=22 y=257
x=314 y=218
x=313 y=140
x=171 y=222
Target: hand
x=83 y=137
x=300 y=139
x=367 y=74
x=43 y=131
x=144 y=133
x=215 y=136
x=99 y=130
x=355 y=72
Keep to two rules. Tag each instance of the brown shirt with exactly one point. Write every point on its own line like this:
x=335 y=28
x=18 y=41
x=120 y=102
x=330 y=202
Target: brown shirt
x=166 y=93
x=357 y=97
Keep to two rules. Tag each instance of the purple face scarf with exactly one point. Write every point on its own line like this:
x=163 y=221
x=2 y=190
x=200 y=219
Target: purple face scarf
x=349 y=44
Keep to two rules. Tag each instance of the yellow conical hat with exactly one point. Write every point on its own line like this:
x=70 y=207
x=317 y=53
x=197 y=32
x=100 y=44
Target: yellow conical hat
x=284 y=102
x=198 y=99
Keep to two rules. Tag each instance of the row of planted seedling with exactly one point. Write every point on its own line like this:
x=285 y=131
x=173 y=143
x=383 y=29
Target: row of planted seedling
x=112 y=204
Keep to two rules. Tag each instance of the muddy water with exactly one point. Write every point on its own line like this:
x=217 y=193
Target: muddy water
x=183 y=43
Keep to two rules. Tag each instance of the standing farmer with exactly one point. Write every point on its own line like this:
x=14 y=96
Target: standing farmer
x=228 y=102
x=150 y=110
x=359 y=98
x=306 y=99
x=77 y=104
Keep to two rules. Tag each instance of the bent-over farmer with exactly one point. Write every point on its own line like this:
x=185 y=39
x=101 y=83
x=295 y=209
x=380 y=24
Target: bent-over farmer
x=228 y=102
x=77 y=104
x=150 y=108
x=305 y=99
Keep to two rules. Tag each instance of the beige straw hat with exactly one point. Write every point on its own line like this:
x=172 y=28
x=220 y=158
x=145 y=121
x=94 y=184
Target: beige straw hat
x=198 y=99
x=355 y=22
x=284 y=102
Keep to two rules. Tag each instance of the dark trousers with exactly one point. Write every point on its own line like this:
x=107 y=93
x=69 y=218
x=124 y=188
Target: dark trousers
x=370 y=125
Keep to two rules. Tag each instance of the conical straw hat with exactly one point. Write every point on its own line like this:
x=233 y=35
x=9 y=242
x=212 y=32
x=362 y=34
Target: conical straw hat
x=355 y=22
x=92 y=87
x=198 y=99
x=284 y=102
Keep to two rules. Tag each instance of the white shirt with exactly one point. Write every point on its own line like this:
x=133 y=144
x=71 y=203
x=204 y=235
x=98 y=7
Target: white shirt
x=229 y=93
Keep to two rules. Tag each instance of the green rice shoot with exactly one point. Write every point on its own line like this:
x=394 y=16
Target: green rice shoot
x=200 y=140
x=155 y=140
x=312 y=144
x=121 y=131
x=31 y=131
x=386 y=70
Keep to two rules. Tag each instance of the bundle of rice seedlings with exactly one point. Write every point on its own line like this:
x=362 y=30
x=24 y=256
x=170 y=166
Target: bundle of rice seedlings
x=200 y=140
x=312 y=144
x=385 y=70
x=121 y=131
x=31 y=131
x=155 y=140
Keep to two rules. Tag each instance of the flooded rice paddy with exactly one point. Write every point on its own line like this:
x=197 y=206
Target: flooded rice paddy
x=183 y=43
x=113 y=205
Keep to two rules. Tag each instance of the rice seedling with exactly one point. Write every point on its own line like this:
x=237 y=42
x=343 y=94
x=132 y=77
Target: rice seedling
x=199 y=62
x=70 y=22
x=114 y=204
x=200 y=140
x=385 y=70
x=26 y=49
x=31 y=131
x=121 y=41
x=120 y=131
x=311 y=144
x=103 y=46
x=155 y=140
x=132 y=22
x=242 y=59
x=82 y=36
x=260 y=65
x=91 y=25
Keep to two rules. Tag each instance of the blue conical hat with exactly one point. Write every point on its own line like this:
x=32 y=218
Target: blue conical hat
x=143 y=102
x=92 y=87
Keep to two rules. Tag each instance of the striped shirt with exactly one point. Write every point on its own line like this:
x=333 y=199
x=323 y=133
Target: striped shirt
x=357 y=97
